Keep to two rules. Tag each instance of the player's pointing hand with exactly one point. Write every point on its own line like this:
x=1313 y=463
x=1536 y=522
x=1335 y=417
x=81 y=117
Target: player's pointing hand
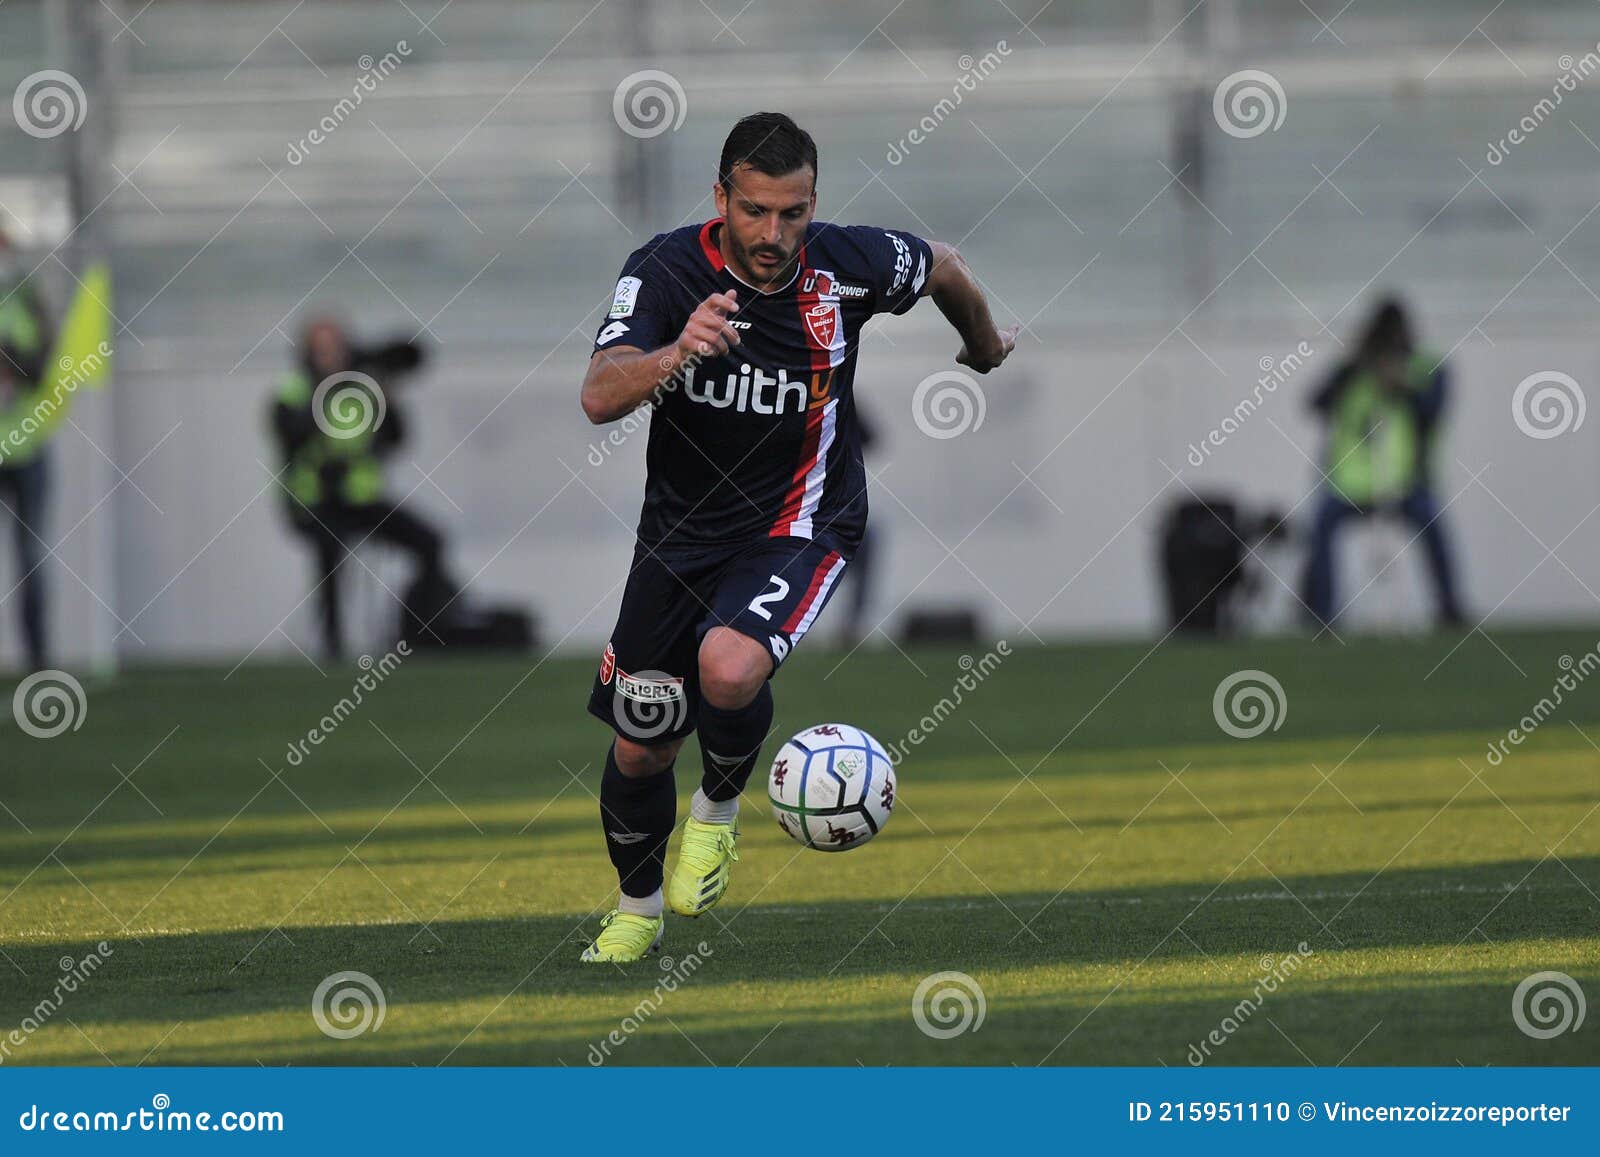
x=708 y=333
x=991 y=359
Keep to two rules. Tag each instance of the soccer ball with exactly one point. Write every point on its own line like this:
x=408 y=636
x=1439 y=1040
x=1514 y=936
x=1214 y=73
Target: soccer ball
x=831 y=787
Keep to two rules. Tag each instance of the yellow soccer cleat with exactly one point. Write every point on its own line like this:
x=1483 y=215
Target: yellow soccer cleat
x=704 y=867
x=624 y=937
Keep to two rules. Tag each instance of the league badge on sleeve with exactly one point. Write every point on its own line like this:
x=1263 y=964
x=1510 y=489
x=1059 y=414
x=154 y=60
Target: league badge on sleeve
x=622 y=300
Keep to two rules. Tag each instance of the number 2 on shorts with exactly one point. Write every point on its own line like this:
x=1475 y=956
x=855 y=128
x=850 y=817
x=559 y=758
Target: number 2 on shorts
x=778 y=590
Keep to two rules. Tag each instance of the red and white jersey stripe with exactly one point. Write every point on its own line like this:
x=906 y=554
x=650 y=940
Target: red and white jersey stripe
x=823 y=325
x=816 y=596
x=811 y=474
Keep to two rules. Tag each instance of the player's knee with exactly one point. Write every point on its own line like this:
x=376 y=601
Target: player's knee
x=732 y=668
x=638 y=760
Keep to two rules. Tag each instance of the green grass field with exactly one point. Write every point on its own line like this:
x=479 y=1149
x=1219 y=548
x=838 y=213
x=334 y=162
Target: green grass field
x=1080 y=837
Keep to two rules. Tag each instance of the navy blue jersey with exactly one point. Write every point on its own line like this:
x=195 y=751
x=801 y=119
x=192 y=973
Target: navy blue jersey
x=762 y=441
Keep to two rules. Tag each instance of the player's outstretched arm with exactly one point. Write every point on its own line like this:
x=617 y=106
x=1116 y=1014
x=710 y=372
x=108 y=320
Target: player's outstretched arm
x=622 y=379
x=959 y=297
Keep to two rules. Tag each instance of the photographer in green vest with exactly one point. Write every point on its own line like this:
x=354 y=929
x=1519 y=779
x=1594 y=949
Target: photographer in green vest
x=335 y=420
x=26 y=338
x=1382 y=409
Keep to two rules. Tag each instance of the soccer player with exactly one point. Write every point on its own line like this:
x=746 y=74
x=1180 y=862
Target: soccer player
x=741 y=335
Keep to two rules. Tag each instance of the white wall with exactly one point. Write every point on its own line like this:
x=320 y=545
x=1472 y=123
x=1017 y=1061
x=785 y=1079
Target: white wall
x=214 y=573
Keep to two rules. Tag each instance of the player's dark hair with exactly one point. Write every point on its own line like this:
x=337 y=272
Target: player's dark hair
x=769 y=143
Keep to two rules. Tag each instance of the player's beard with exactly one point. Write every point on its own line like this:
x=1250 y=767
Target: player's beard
x=779 y=270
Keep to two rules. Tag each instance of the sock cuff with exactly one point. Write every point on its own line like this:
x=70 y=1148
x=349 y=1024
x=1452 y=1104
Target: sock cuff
x=713 y=811
x=650 y=905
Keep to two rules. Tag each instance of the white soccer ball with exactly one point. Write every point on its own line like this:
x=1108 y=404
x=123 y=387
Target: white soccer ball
x=831 y=787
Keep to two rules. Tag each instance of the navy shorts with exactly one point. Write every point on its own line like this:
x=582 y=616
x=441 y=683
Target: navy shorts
x=648 y=687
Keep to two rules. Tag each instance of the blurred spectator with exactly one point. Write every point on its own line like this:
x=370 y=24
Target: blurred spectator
x=333 y=448
x=26 y=337
x=1382 y=409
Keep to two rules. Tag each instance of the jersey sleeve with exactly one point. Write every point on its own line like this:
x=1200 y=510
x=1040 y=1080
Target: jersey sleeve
x=641 y=309
x=898 y=264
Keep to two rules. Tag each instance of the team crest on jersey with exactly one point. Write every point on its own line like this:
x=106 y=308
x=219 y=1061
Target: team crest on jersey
x=824 y=325
x=608 y=664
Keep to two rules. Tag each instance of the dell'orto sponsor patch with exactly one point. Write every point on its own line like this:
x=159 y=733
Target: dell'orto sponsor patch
x=650 y=689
